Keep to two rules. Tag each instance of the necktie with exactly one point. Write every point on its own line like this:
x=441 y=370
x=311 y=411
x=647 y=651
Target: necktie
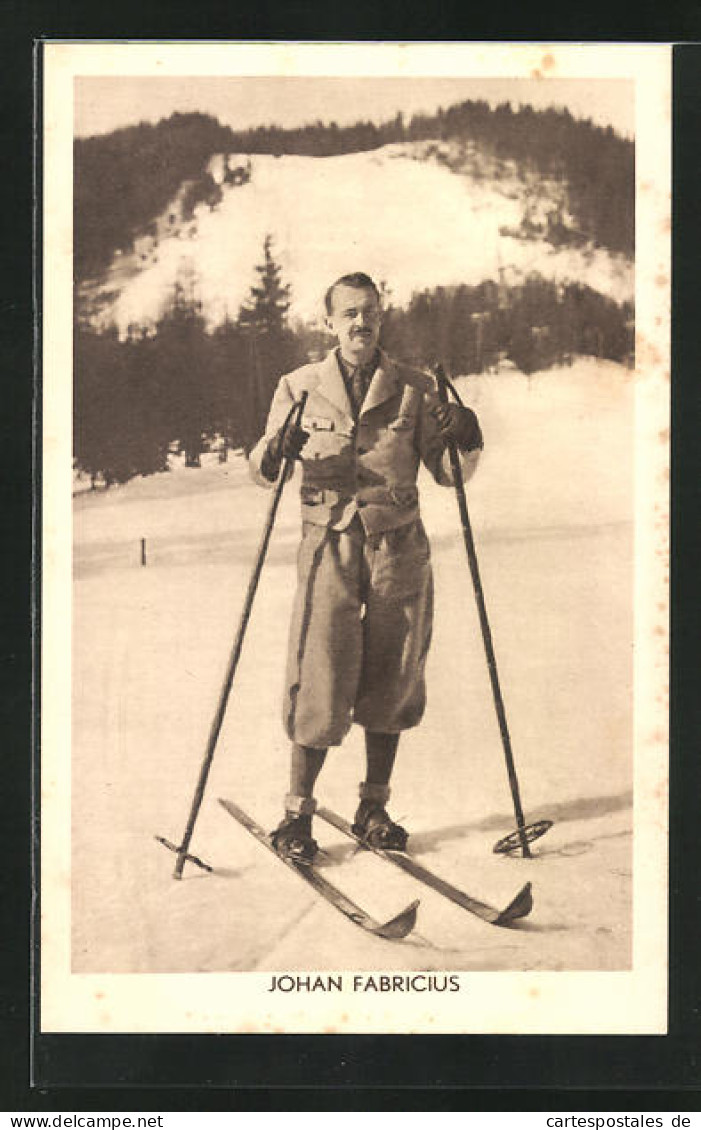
x=359 y=381
x=358 y=387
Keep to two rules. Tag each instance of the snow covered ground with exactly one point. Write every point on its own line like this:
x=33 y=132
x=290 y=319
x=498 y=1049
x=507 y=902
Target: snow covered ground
x=411 y=223
x=551 y=506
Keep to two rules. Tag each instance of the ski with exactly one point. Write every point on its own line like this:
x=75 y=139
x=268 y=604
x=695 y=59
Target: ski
x=519 y=906
x=396 y=928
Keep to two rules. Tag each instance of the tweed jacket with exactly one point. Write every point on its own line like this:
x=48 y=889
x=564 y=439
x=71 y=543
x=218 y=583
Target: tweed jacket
x=367 y=465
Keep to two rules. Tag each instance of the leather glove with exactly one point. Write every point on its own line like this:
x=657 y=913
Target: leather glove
x=286 y=444
x=458 y=424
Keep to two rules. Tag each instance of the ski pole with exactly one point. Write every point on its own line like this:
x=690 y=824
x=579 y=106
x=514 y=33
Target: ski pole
x=524 y=833
x=215 y=729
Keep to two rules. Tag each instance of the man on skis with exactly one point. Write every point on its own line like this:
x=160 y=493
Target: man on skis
x=363 y=611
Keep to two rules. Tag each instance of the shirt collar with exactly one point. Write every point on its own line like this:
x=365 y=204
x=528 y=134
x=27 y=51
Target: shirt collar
x=349 y=370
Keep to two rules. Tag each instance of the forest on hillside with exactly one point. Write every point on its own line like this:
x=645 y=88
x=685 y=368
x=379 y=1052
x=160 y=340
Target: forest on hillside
x=125 y=179
x=180 y=387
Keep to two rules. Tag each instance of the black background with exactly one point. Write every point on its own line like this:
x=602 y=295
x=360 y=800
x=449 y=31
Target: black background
x=181 y=1073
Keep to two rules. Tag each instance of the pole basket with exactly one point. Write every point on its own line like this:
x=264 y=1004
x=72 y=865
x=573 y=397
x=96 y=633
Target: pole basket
x=183 y=855
x=522 y=836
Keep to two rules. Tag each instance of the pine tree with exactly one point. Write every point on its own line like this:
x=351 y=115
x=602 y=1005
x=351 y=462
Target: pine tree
x=268 y=303
x=229 y=361
x=183 y=356
x=272 y=348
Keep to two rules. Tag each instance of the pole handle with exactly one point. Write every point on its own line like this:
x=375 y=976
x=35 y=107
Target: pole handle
x=298 y=408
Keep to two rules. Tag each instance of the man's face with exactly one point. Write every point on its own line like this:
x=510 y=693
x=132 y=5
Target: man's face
x=355 y=320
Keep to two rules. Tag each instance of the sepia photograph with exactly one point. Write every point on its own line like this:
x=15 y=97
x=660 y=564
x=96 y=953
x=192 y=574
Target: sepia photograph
x=355 y=470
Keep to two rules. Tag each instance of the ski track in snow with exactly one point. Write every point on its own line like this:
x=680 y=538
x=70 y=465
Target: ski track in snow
x=551 y=505
x=412 y=223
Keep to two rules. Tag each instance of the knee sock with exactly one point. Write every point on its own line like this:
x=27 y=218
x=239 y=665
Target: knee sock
x=380 y=752
x=305 y=766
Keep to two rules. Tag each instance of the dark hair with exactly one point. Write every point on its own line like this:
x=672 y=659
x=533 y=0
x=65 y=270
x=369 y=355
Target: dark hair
x=359 y=280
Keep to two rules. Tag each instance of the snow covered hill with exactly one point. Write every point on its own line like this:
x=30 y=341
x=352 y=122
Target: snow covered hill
x=414 y=215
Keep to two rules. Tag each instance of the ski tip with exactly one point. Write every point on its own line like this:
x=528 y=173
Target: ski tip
x=519 y=907
x=402 y=924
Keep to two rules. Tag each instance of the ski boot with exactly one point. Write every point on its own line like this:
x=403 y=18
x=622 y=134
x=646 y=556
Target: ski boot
x=372 y=822
x=292 y=839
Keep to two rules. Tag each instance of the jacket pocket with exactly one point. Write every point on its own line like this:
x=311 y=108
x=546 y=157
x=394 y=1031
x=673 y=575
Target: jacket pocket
x=311 y=496
x=401 y=566
x=402 y=424
x=318 y=424
x=404 y=497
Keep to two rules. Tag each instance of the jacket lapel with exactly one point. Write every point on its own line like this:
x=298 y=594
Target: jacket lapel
x=332 y=386
x=383 y=385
